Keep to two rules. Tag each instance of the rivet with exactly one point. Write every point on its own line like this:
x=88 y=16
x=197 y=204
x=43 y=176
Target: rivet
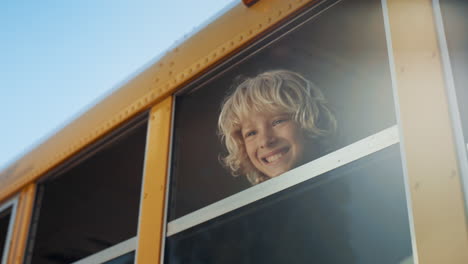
x=241 y=38
x=161 y=64
x=156 y=80
x=170 y=72
x=453 y=174
x=260 y=25
x=250 y=32
x=190 y=70
x=171 y=64
x=206 y=60
x=290 y=6
x=223 y=49
x=198 y=65
x=279 y=13
x=269 y=20
x=232 y=43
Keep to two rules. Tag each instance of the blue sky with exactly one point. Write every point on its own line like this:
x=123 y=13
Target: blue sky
x=60 y=57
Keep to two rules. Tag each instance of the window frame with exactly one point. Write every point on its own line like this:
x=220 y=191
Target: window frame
x=154 y=191
x=432 y=172
x=460 y=144
x=13 y=203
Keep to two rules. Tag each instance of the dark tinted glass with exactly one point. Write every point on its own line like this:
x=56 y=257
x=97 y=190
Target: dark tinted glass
x=93 y=204
x=128 y=258
x=342 y=50
x=5 y=217
x=354 y=214
x=455 y=19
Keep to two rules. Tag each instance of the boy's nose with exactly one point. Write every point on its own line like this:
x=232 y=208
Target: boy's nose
x=268 y=139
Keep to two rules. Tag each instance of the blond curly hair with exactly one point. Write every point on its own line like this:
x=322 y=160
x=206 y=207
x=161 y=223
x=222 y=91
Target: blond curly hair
x=272 y=91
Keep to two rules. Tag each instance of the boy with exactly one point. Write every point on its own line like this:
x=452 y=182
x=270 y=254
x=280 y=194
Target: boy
x=272 y=123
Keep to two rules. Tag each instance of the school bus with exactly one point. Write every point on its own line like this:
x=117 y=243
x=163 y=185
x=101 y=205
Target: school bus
x=138 y=177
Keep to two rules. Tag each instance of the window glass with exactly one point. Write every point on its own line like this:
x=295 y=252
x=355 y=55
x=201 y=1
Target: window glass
x=455 y=24
x=128 y=258
x=354 y=214
x=92 y=202
x=342 y=51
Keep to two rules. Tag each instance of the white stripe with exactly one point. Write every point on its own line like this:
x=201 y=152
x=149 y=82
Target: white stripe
x=312 y=169
x=110 y=253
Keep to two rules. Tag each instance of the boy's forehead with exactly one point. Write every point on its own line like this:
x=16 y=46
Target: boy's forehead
x=255 y=116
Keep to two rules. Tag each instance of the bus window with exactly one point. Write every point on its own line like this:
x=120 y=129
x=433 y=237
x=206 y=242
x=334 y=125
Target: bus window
x=331 y=188
x=91 y=203
x=7 y=215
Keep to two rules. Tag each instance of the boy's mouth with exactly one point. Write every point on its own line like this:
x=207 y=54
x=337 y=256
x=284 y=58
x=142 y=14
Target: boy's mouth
x=275 y=155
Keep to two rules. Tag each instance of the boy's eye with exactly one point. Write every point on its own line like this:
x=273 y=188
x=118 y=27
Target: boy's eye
x=249 y=133
x=279 y=121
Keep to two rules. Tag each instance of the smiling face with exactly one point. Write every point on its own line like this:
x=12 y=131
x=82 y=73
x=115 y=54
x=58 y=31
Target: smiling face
x=275 y=143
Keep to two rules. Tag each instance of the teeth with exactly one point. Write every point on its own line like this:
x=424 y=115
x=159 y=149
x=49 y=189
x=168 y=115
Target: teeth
x=274 y=157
